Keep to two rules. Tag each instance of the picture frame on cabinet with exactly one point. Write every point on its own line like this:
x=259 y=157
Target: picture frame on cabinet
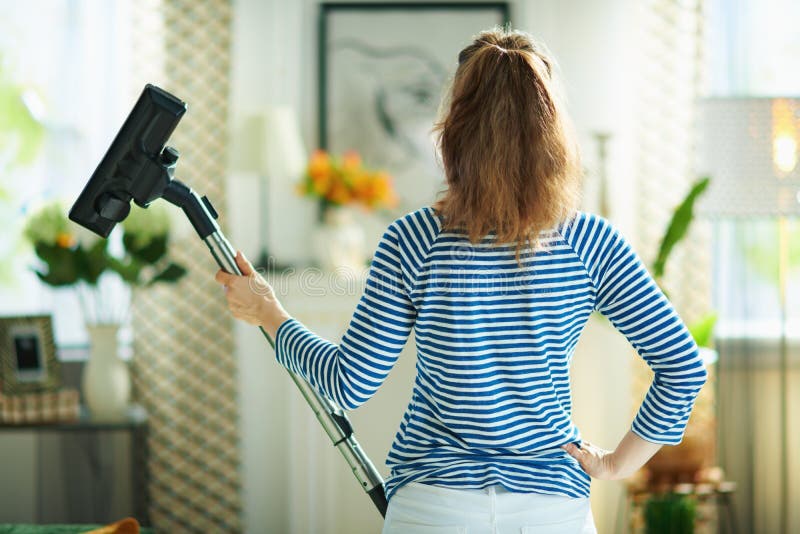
x=28 y=361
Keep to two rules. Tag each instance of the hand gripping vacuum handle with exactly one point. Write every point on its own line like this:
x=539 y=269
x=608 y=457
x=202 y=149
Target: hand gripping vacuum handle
x=332 y=418
x=139 y=167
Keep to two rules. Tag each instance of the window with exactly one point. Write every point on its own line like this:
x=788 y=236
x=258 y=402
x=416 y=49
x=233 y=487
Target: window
x=747 y=290
x=73 y=59
x=754 y=46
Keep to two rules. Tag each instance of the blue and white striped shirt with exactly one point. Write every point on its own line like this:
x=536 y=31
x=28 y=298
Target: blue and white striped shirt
x=491 y=402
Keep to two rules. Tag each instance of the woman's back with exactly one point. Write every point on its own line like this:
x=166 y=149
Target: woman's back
x=491 y=402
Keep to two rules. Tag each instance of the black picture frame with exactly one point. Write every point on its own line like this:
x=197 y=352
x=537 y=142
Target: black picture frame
x=383 y=23
x=28 y=361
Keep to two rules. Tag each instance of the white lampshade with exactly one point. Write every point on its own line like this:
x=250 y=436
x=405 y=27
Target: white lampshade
x=247 y=145
x=269 y=144
x=750 y=148
x=284 y=154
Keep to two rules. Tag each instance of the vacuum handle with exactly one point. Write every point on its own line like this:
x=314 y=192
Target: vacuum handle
x=332 y=418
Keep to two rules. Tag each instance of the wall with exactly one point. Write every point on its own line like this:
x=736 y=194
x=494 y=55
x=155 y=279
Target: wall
x=274 y=63
x=268 y=54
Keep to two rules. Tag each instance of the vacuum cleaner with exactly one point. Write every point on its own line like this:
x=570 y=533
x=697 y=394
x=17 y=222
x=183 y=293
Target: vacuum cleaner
x=139 y=167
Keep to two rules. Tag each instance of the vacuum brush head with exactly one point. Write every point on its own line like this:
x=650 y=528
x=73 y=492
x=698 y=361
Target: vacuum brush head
x=137 y=166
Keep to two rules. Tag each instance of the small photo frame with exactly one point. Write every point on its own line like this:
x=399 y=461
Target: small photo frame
x=28 y=360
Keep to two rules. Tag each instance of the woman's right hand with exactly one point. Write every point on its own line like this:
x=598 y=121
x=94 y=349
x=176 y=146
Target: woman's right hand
x=629 y=456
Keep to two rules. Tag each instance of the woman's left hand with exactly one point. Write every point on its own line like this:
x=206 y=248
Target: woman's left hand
x=596 y=462
x=251 y=298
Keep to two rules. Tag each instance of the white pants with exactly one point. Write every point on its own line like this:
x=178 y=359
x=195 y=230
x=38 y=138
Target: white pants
x=425 y=509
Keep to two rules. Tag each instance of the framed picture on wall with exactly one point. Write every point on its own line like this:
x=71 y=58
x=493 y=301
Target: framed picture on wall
x=382 y=71
x=28 y=360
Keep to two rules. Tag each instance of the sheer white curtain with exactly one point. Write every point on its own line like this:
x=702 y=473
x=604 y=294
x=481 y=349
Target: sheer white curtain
x=74 y=55
x=749 y=371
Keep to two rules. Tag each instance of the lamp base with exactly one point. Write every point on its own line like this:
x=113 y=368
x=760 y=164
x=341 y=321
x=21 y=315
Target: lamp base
x=267 y=263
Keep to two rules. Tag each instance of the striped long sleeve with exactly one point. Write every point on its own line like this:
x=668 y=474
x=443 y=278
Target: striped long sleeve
x=350 y=373
x=630 y=298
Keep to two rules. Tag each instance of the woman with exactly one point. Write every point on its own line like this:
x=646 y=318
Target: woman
x=497 y=280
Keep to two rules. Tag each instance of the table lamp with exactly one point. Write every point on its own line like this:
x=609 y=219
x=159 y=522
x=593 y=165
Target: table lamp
x=270 y=146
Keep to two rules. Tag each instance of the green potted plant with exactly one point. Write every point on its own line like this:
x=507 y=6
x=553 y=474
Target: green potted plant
x=670 y=513
x=145 y=240
x=72 y=257
x=338 y=184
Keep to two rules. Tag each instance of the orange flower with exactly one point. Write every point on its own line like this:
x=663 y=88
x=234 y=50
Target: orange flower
x=338 y=194
x=321 y=183
x=361 y=186
x=345 y=181
x=351 y=161
x=381 y=191
x=319 y=164
x=65 y=240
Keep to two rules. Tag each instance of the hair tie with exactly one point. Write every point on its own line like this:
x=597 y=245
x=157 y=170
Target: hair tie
x=503 y=50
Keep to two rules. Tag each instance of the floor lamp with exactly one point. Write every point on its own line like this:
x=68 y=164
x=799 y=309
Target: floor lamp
x=269 y=145
x=750 y=147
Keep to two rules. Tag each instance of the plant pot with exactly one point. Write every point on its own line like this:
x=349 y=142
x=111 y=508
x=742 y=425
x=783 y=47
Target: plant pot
x=339 y=242
x=106 y=381
x=681 y=463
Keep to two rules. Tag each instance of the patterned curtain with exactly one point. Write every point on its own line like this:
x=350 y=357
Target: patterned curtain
x=671 y=78
x=184 y=365
x=751 y=377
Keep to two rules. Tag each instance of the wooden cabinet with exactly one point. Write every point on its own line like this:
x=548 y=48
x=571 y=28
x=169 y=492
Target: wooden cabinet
x=82 y=472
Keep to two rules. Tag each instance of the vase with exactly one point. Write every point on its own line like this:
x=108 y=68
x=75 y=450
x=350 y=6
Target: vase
x=106 y=382
x=339 y=242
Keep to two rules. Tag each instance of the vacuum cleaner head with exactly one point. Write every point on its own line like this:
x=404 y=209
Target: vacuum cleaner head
x=136 y=167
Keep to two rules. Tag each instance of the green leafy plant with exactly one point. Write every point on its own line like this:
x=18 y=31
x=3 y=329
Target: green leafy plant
x=676 y=231
x=69 y=256
x=670 y=513
x=21 y=137
x=678 y=226
x=72 y=256
x=21 y=133
x=145 y=239
x=702 y=330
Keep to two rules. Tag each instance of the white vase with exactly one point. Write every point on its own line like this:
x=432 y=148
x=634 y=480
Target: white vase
x=106 y=382
x=339 y=242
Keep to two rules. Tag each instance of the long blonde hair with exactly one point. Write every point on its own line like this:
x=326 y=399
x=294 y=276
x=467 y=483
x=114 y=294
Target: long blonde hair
x=509 y=155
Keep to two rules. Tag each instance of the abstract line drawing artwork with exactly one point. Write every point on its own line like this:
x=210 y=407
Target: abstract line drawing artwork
x=381 y=84
x=394 y=93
